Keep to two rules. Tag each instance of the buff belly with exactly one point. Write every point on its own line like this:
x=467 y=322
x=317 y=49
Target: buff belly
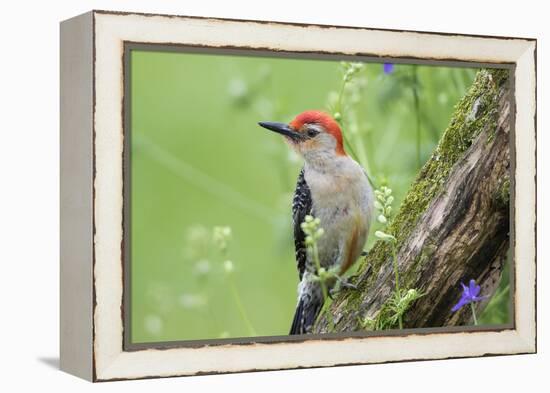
x=344 y=210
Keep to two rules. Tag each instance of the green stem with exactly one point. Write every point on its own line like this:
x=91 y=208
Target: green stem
x=240 y=305
x=339 y=110
x=396 y=273
x=323 y=287
x=496 y=298
x=341 y=96
x=362 y=153
x=473 y=313
x=237 y=297
x=499 y=296
x=212 y=317
x=350 y=148
x=371 y=168
x=417 y=114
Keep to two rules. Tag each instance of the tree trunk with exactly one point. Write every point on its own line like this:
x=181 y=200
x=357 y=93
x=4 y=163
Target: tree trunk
x=452 y=226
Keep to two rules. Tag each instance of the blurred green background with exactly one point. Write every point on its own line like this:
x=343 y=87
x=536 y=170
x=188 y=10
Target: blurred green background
x=211 y=239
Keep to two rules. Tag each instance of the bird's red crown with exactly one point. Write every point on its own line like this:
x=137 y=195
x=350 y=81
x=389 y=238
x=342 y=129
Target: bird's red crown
x=323 y=119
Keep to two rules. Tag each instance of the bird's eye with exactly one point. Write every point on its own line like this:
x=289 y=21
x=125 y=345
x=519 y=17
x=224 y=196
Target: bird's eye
x=311 y=132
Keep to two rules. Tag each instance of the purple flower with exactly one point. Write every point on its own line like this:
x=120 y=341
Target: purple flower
x=470 y=294
x=388 y=68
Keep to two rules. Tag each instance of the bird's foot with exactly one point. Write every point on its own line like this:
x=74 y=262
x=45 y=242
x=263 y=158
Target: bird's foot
x=343 y=284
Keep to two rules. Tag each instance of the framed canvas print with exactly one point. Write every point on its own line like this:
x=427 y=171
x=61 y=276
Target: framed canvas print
x=246 y=195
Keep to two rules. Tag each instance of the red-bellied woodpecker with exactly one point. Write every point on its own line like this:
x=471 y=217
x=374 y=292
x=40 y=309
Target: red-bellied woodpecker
x=334 y=188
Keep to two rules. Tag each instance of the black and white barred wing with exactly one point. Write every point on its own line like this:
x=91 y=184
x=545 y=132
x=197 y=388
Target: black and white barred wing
x=301 y=207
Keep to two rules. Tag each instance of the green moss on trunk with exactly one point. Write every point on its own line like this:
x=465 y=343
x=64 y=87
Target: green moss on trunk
x=477 y=111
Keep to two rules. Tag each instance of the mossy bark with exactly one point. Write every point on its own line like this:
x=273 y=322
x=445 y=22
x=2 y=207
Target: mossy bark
x=452 y=226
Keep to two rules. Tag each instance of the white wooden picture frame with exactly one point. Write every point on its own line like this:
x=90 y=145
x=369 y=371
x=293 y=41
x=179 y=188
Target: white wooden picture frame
x=92 y=195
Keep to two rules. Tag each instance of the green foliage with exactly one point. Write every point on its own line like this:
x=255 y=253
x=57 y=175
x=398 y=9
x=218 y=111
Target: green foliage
x=313 y=231
x=391 y=313
x=497 y=311
x=400 y=300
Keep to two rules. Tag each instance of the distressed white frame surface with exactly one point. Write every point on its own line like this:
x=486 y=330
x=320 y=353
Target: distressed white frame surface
x=111 y=30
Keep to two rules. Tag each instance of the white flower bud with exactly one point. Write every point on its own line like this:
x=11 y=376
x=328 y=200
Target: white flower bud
x=384 y=236
x=202 y=267
x=228 y=266
x=382 y=219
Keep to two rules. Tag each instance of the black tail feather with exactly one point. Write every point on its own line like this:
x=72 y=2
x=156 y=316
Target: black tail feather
x=295 y=328
x=305 y=315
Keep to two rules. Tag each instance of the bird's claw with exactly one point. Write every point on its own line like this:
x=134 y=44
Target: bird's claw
x=343 y=284
x=348 y=285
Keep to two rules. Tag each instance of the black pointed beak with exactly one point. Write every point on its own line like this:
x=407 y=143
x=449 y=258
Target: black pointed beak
x=282 y=128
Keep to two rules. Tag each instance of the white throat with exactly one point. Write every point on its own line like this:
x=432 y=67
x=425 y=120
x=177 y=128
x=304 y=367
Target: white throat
x=325 y=161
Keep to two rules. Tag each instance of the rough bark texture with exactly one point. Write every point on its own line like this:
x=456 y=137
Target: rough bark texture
x=453 y=224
